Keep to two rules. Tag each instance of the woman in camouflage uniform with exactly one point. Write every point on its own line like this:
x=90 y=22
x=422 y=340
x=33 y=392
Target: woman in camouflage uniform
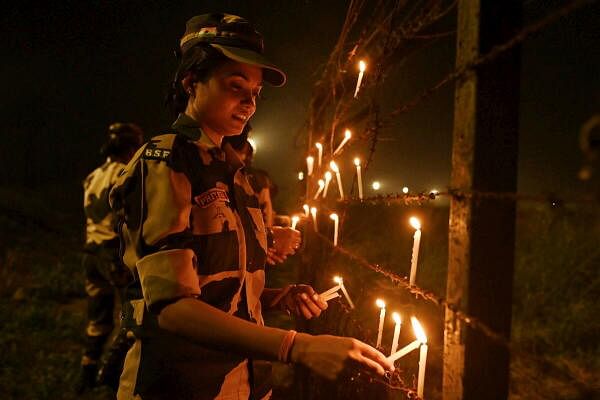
x=104 y=272
x=195 y=239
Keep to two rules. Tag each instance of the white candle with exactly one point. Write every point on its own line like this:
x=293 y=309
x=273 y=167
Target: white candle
x=422 y=338
x=336 y=224
x=295 y=220
x=319 y=147
x=327 y=180
x=404 y=351
x=306 y=210
x=335 y=169
x=398 y=321
x=381 y=304
x=347 y=136
x=359 y=178
x=332 y=296
x=362 y=66
x=321 y=186
x=415 y=250
x=313 y=212
x=331 y=291
x=310 y=162
x=340 y=281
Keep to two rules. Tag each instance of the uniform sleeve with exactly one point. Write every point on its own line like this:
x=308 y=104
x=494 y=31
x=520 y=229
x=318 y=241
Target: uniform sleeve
x=155 y=202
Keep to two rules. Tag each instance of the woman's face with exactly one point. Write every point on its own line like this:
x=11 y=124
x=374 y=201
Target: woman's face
x=224 y=104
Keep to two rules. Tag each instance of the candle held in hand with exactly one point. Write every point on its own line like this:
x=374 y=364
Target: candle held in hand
x=359 y=178
x=398 y=324
x=362 y=66
x=336 y=223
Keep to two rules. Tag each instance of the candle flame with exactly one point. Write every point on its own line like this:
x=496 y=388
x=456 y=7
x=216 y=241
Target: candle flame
x=380 y=303
x=313 y=210
x=300 y=176
x=253 y=144
x=333 y=216
x=376 y=185
x=319 y=146
x=310 y=159
x=295 y=219
x=357 y=161
x=334 y=166
x=348 y=134
x=306 y=209
x=415 y=223
x=434 y=191
x=337 y=279
x=328 y=175
x=405 y=190
x=362 y=66
x=418 y=329
x=396 y=317
x=321 y=183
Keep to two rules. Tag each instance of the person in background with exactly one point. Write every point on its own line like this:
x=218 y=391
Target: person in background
x=105 y=274
x=195 y=240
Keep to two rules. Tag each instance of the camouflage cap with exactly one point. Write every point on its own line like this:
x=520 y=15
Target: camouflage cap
x=233 y=36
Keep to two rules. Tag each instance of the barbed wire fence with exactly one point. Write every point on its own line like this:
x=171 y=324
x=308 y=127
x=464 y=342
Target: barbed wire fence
x=394 y=32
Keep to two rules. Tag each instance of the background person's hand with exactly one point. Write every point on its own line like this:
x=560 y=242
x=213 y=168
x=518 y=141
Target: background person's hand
x=285 y=242
x=302 y=300
x=330 y=356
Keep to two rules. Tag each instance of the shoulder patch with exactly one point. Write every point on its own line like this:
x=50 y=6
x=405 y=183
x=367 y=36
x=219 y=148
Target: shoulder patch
x=156 y=153
x=210 y=196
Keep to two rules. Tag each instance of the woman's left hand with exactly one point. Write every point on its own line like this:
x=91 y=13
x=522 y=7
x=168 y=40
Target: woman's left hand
x=302 y=300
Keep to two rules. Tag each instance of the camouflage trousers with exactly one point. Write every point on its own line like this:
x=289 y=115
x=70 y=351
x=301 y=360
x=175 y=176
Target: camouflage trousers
x=105 y=280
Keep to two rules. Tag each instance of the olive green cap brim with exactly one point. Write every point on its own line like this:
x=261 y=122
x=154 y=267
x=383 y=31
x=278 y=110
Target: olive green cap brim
x=271 y=73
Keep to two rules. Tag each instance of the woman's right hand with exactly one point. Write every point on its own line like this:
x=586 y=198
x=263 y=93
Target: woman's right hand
x=329 y=356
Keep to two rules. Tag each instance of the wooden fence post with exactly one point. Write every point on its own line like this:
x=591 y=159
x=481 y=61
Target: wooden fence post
x=482 y=230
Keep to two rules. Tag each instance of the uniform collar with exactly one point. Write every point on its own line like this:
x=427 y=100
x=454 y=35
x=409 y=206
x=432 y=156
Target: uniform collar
x=187 y=126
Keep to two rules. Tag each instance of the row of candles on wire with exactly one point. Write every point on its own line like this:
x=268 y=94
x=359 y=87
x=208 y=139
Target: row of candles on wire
x=414 y=222
x=419 y=343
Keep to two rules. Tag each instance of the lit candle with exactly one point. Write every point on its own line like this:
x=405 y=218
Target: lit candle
x=404 y=351
x=300 y=176
x=313 y=212
x=347 y=136
x=376 y=185
x=398 y=321
x=421 y=337
x=359 y=178
x=340 y=281
x=321 y=186
x=319 y=147
x=310 y=162
x=405 y=190
x=327 y=180
x=295 y=220
x=332 y=296
x=306 y=210
x=381 y=304
x=336 y=223
x=415 y=250
x=334 y=289
x=335 y=169
x=362 y=66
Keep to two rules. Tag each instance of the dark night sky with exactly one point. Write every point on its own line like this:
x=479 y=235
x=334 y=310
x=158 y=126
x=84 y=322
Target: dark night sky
x=72 y=67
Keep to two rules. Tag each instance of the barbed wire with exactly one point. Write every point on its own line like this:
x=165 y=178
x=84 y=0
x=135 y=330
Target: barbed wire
x=403 y=282
x=425 y=197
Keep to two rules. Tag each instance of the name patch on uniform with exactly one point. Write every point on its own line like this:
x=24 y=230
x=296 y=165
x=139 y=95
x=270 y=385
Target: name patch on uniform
x=207 y=198
x=156 y=154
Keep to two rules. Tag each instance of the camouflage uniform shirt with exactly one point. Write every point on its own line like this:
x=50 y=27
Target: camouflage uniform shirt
x=191 y=227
